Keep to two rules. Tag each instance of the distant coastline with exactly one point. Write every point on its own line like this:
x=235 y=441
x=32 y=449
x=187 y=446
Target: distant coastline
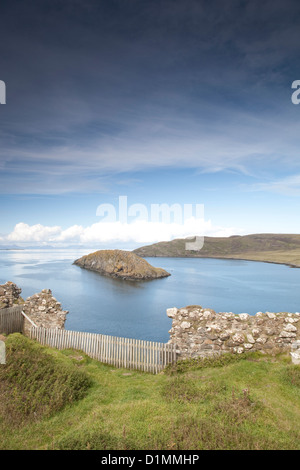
x=12 y=249
x=228 y=258
x=268 y=248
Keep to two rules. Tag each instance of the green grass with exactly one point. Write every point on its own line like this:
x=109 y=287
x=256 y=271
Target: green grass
x=252 y=403
x=33 y=384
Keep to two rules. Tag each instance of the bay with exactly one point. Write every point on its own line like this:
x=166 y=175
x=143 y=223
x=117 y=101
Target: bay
x=99 y=304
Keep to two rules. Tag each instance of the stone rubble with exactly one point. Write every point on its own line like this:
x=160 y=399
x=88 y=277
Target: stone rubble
x=198 y=331
x=10 y=295
x=44 y=310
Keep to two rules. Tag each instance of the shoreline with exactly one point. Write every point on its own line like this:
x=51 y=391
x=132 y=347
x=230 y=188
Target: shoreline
x=290 y=265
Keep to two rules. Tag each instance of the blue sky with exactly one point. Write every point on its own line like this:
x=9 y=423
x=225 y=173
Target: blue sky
x=162 y=102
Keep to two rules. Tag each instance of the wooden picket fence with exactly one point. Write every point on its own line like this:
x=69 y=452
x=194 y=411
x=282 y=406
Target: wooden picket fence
x=129 y=353
x=11 y=320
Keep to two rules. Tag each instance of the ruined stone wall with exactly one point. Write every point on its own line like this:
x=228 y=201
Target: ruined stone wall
x=198 y=331
x=10 y=295
x=44 y=310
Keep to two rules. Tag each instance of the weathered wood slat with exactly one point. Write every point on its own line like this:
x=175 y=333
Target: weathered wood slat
x=11 y=320
x=120 y=352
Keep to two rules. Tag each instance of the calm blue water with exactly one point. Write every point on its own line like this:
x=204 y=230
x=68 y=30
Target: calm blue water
x=138 y=309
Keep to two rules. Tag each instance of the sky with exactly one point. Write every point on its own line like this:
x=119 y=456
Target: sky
x=170 y=102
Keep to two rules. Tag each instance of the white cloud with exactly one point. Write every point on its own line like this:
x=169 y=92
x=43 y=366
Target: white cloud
x=137 y=232
x=34 y=233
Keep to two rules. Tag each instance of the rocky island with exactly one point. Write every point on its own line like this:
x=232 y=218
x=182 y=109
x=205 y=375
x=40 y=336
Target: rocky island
x=120 y=264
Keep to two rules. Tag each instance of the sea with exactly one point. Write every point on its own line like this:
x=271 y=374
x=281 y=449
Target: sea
x=137 y=309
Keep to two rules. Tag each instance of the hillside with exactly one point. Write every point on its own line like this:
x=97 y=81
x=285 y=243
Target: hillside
x=273 y=248
x=63 y=400
x=120 y=264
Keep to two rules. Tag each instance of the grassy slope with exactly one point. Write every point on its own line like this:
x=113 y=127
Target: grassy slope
x=246 y=404
x=274 y=248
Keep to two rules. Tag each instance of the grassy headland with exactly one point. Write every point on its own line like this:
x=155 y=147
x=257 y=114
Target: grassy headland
x=272 y=248
x=249 y=402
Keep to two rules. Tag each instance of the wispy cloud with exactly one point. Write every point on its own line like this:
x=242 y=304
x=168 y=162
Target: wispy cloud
x=289 y=186
x=130 y=89
x=239 y=141
x=172 y=101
